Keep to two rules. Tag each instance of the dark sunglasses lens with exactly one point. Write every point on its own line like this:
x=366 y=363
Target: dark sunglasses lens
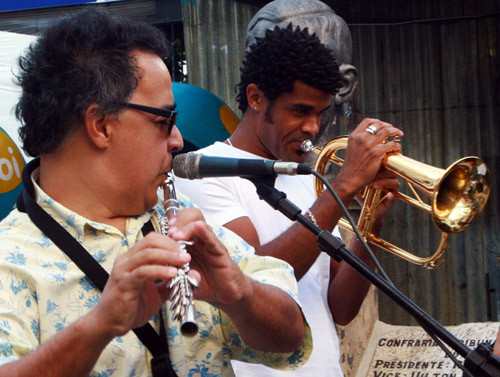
x=173 y=118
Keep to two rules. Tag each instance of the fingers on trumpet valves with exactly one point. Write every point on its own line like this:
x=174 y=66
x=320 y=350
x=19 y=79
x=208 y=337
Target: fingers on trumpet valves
x=381 y=129
x=396 y=139
x=385 y=131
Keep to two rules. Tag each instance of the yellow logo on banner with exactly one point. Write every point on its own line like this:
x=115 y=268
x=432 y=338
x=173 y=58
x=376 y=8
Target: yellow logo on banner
x=228 y=118
x=11 y=163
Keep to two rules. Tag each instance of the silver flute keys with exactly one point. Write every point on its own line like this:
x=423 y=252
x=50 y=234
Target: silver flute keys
x=181 y=296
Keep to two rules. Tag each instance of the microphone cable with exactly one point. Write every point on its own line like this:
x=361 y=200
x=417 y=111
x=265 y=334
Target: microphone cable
x=349 y=218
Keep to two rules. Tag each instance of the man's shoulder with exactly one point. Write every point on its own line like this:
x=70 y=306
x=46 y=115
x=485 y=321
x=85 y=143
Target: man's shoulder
x=14 y=222
x=213 y=149
x=17 y=227
x=224 y=150
x=18 y=233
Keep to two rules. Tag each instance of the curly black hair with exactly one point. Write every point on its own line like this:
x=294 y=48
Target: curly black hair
x=83 y=59
x=284 y=56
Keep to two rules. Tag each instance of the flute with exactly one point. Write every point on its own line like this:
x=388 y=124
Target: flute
x=181 y=296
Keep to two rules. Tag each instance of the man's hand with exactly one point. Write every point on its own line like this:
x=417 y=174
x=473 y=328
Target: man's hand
x=388 y=183
x=365 y=152
x=131 y=297
x=362 y=166
x=266 y=317
x=221 y=281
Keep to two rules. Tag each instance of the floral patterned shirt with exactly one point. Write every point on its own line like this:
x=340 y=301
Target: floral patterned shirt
x=42 y=292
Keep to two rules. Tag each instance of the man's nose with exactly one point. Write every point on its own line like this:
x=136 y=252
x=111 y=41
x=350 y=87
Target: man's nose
x=311 y=124
x=175 y=142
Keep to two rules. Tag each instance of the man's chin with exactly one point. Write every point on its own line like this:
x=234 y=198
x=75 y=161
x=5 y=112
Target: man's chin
x=300 y=157
x=151 y=204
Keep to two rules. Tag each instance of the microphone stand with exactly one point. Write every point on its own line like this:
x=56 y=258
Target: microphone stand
x=480 y=362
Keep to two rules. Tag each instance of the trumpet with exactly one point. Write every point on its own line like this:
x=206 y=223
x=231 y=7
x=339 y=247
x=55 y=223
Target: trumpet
x=181 y=296
x=457 y=194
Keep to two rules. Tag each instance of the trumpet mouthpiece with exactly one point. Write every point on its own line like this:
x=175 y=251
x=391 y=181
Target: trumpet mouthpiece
x=307 y=146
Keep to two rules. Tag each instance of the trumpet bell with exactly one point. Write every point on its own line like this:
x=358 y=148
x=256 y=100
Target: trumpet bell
x=457 y=195
x=461 y=194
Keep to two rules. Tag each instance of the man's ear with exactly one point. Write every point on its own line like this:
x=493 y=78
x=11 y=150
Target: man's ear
x=349 y=77
x=97 y=126
x=255 y=97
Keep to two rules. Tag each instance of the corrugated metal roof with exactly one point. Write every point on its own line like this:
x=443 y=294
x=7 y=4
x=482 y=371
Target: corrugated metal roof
x=214 y=37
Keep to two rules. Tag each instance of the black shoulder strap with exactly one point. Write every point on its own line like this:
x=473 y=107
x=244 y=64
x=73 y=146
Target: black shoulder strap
x=156 y=344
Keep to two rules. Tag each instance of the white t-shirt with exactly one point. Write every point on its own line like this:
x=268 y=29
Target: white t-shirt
x=224 y=199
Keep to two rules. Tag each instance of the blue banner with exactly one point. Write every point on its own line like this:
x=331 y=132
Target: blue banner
x=11 y=5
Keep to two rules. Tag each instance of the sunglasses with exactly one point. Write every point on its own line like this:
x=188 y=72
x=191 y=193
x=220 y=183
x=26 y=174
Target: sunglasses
x=170 y=115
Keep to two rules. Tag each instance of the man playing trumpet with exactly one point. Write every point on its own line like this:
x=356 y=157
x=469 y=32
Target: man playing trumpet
x=288 y=80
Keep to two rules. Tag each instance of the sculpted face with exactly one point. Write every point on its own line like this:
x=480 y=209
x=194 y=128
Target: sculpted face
x=320 y=19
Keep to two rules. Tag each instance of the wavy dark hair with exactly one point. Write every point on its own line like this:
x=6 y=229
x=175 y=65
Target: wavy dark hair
x=283 y=56
x=82 y=59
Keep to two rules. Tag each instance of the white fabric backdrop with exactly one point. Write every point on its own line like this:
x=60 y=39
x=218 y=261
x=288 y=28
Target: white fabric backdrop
x=12 y=45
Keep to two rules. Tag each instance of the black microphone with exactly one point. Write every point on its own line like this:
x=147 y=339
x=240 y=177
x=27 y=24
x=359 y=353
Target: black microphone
x=195 y=166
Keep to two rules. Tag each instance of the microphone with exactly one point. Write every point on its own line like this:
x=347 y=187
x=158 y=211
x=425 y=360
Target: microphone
x=196 y=166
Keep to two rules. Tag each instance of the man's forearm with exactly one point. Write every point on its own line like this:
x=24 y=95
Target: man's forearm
x=348 y=289
x=267 y=318
x=72 y=352
x=298 y=246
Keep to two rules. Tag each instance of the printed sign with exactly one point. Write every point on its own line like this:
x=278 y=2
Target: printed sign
x=408 y=351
